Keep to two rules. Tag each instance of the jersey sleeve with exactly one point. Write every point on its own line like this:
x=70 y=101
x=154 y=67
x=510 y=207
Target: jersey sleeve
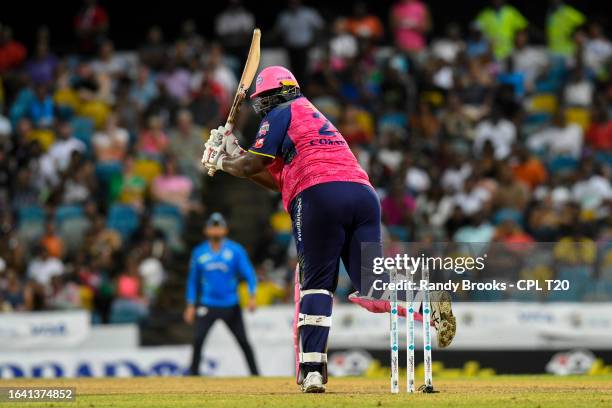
x=191 y=290
x=272 y=131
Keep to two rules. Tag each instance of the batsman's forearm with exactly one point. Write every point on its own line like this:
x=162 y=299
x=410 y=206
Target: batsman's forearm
x=247 y=165
x=265 y=179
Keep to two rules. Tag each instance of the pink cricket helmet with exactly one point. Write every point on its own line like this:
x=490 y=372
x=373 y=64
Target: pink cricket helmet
x=272 y=78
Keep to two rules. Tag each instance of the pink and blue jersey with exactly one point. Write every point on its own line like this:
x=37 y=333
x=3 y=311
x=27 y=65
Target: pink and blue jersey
x=307 y=149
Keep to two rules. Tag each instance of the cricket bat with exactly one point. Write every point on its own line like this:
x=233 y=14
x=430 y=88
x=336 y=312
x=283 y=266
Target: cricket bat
x=248 y=74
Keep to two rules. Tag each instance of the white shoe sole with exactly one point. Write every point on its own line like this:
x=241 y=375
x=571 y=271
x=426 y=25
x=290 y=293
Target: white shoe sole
x=313 y=389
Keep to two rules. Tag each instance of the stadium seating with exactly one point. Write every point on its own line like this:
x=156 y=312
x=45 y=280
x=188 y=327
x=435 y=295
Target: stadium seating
x=168 y=219
x=83 y=129
x=31 y=221
x=123 y=219
x=72 y=225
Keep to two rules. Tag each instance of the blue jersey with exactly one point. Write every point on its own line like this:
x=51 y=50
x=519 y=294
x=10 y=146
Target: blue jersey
x=214 y=276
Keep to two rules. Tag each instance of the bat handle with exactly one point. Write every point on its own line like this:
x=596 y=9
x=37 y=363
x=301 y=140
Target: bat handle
x=229 y=126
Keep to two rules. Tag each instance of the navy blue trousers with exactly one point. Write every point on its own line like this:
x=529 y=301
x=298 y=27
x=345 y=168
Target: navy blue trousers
x=330 y=222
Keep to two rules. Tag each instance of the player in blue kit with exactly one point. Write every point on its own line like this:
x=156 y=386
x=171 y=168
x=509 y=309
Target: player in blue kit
x=217 y=265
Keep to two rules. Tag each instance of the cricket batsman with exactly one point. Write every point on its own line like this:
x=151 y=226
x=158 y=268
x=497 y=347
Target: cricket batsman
x=333 y=208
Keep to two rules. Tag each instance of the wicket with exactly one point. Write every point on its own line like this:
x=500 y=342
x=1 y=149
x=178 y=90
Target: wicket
x=410 y=343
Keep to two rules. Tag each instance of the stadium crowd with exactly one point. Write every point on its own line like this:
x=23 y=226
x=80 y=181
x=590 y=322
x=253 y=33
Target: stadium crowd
x=478 y=135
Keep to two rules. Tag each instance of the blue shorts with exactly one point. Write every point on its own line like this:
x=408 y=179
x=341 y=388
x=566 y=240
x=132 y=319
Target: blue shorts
x=330 y=221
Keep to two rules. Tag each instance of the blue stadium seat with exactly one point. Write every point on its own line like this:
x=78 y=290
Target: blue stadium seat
x=562 y=164
x=72 y=226
x=598 y=291
x=123 y=219
x=105 y=171
x=83 y=129
x=169 y=219
x=127 y=311
x=579 y=277
x=31 y=221
x=31 y=213
x=67 y=212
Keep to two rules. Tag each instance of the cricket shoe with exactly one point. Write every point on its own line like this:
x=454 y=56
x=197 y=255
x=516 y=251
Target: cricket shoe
x=442 y=317
x=313 y=383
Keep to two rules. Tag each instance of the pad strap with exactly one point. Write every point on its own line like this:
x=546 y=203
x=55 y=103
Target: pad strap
x=313 y=358
x=313 y=320
x=314 y=292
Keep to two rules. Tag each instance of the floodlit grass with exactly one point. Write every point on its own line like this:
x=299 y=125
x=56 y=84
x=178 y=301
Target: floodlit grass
x=491 y=392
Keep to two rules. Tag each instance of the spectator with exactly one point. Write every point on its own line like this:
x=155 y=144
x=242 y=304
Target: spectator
x=186 y=141
x=510 y=232
x=43 y=66
x=91 y=25
x=234 y=28
x=448 y=48
x=111 y=144
x=599 y=135
x=597 y=49
x=558 y=139
x=528 y=60
x=102 y=242
x=221 y=73
x=64 y=294
x=130 y=304
x=397 y=208
x=51 y=241
x=578 y=91
x=500 y=132
x=299 y=26
x=561 y=24
x=172 y=187
x=11 y=293
x=153 y=142
x=12 y=52
x=591 y=189
x=131 y=187
x=153 y=52
x=528 y=169
x=107 y=62
x=176 y=80
x=478 y=230
x=144 y=90
x=499 y=23
x=410 y=22
x=44 y=267
x=78 y=182
x=510 y=193
x=42 y=108
x=472 y=198
x=364 y=25
x=58 y=157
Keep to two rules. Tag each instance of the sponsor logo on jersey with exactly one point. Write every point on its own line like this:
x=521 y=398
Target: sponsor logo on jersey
x=259 y=142
x=264 y=128
x=327 y=142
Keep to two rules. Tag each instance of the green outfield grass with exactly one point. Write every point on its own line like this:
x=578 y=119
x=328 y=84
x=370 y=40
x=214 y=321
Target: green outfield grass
x=491 y=392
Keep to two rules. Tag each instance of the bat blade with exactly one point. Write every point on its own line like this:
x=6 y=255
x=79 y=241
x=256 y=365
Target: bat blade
x=248 y=74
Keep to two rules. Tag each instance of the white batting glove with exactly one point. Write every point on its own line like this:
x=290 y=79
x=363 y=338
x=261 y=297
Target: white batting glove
x=232 y=147
x=212 y=153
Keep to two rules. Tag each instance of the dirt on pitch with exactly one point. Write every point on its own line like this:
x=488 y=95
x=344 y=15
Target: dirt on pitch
x=490 y=392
